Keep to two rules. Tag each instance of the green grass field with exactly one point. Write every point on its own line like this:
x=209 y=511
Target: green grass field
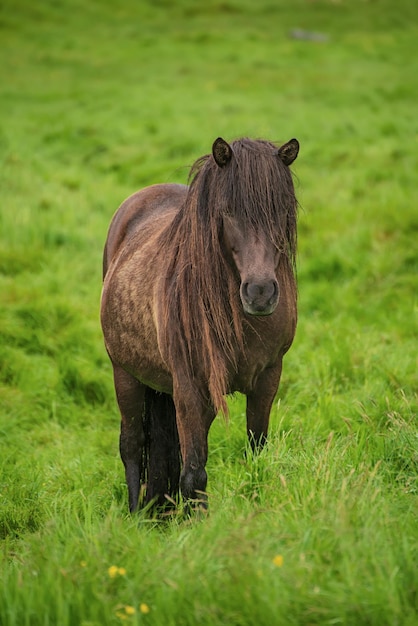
x=98 y=99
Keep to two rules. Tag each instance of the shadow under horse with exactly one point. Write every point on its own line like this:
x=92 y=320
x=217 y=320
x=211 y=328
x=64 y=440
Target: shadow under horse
x=199 y=301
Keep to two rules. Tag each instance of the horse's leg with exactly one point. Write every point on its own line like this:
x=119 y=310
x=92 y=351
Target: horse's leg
x=259 y=402
x=163 y=448
x=130 y=397
x=194 y=418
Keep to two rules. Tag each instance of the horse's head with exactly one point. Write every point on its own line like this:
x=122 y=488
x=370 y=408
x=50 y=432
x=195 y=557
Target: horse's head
x=252 y=250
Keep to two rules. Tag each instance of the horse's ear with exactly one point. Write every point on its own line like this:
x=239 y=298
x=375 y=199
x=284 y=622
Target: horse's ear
x=289 y=151
x=222 y=152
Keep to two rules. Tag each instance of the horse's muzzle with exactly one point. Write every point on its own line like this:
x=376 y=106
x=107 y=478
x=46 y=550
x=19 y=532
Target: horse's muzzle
x=260 y=297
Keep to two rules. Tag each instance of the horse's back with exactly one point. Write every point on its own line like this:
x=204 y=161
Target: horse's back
x=144 y=205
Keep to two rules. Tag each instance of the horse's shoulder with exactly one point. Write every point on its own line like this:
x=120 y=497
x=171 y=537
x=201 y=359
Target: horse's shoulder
x=144 y=205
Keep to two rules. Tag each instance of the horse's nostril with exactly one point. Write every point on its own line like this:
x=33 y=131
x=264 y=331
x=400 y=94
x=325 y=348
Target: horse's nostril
x=275 y=294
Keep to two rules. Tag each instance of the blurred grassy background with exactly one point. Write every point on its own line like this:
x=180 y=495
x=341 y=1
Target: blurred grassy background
x=97 y=100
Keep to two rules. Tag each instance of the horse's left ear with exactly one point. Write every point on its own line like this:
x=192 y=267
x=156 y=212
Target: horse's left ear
x=222 y=152
x=289 y=151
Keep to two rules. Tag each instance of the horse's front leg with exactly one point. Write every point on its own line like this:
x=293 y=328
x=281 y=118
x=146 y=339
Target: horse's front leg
x=259 y=402
x=194 y=418
x=130 y=396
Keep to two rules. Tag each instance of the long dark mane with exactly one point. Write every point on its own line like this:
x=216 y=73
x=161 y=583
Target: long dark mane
x=203 y=332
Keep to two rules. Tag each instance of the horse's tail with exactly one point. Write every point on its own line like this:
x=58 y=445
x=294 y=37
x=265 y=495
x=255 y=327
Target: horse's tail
x=162 y=449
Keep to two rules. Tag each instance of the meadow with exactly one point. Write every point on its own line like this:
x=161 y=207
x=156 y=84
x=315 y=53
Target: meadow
x=98 y=99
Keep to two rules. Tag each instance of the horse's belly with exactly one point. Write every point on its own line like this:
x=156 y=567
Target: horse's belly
x=130 y=331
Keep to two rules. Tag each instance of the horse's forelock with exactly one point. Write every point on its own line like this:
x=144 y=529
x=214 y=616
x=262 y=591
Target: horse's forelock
x=256 y=188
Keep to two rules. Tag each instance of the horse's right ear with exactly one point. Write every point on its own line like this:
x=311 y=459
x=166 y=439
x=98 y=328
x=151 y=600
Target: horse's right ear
x=222 y=152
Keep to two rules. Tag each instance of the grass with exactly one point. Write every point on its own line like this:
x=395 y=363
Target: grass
x=97 y=100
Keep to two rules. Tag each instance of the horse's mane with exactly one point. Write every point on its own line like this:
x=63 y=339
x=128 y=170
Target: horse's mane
x=202 y=332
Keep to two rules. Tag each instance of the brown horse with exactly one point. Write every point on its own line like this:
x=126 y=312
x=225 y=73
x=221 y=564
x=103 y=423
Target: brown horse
x=199 y=301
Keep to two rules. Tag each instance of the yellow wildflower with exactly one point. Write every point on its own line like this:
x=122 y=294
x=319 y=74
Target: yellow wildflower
x=129 y=610
x=278 y=560
x=144 y=608
x=114 y=571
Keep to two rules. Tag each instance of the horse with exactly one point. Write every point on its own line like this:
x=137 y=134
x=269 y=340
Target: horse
x=199 y=301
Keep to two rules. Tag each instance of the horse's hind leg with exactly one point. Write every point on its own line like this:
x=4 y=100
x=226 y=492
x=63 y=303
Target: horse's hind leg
x=130 y=397
x=164 y=452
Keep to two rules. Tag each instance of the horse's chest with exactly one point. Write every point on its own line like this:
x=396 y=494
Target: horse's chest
x=250 y=367
x=265 y=340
